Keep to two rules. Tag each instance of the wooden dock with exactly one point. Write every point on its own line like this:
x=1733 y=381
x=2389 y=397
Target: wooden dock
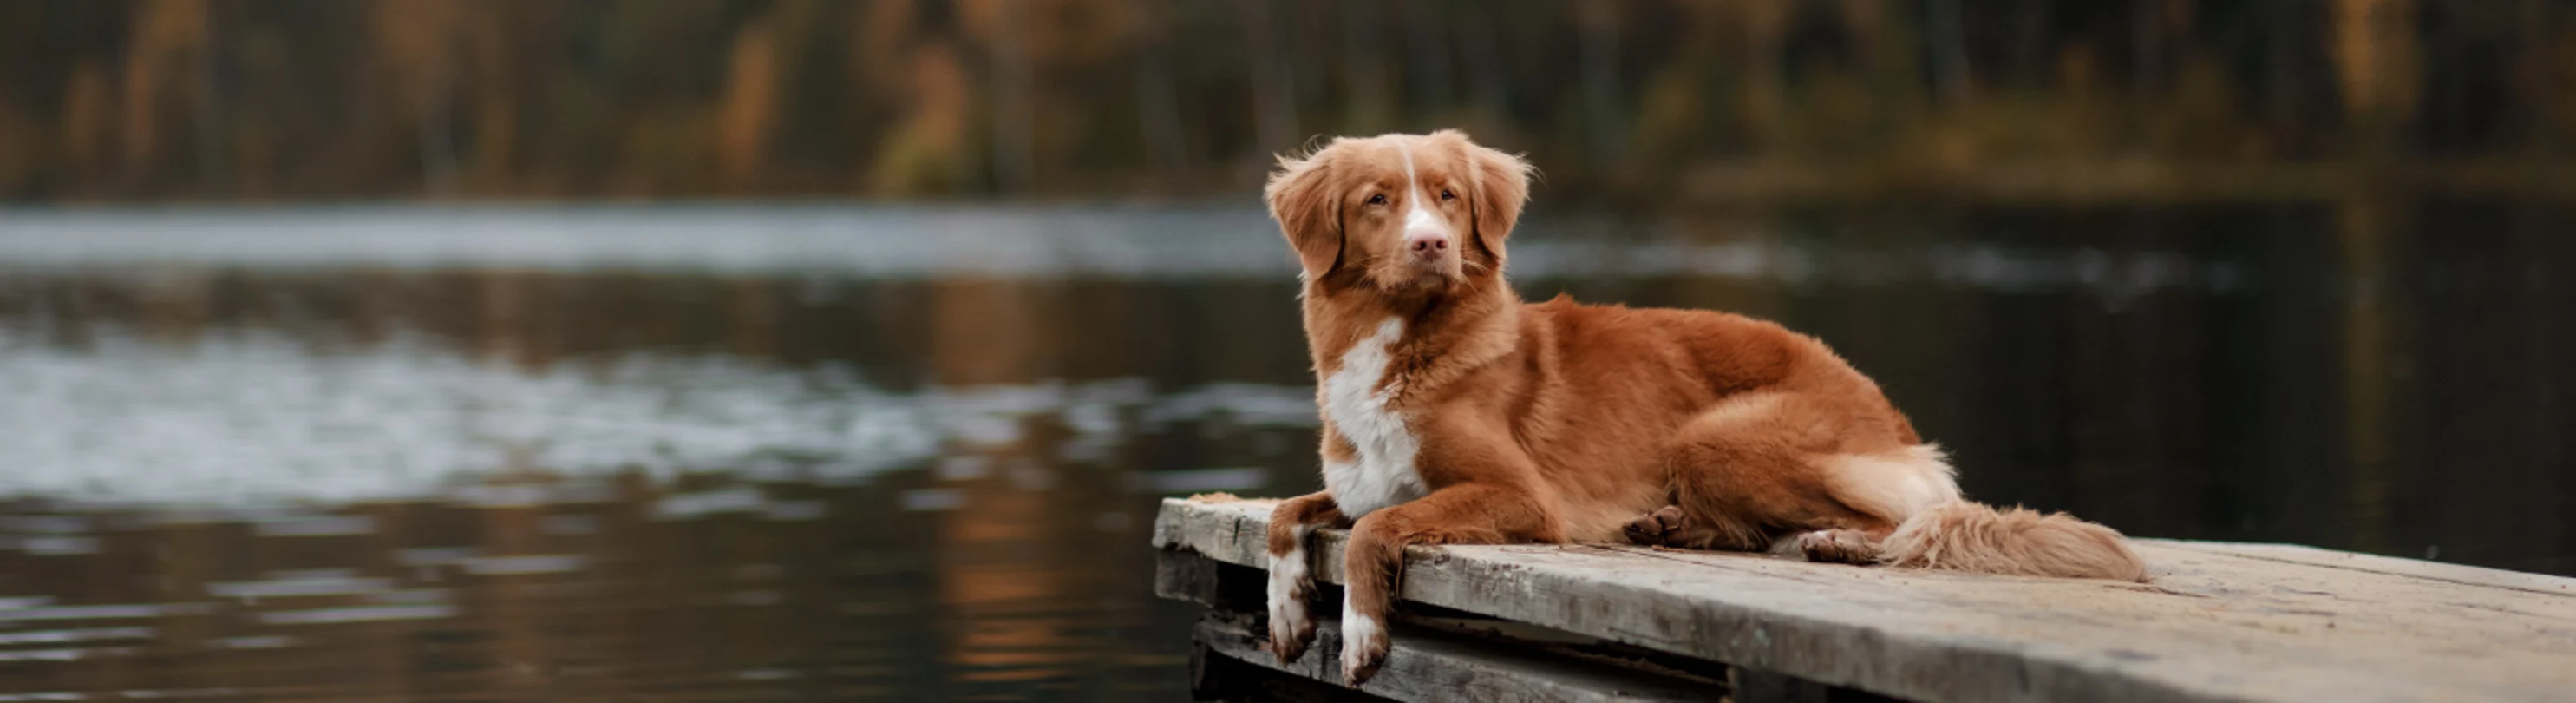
x=2219 y=622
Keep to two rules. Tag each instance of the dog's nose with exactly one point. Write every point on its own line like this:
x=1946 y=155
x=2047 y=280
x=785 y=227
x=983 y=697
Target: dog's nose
x=1426 y=244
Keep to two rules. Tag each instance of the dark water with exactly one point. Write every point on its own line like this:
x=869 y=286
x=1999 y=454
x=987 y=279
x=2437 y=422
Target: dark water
x=752 y=453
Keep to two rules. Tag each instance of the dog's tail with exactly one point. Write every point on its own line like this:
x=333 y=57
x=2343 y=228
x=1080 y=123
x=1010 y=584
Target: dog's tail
x=1937 y=529
x=1965 y=536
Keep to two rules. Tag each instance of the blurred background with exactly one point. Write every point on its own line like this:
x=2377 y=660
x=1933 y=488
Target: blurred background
x=683 y=349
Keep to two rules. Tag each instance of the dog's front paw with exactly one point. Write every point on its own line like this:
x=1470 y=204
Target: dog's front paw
x=1291 y=630
x=1364 y=646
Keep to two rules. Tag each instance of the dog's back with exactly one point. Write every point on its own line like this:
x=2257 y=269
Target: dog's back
x=1603 y=391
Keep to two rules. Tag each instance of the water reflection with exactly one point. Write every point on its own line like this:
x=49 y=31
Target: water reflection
x=580 y=552
x=517 y=453
x=333 y=484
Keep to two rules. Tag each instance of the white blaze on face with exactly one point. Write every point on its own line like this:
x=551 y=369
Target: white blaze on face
x=1421 y=218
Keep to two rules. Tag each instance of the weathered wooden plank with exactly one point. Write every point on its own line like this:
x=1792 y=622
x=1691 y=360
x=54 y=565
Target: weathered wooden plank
x=1428 y=665
x=1198 y=579
x=2214 y=625
x=1237 y=589
x=1749 y=686
x=2454 y=573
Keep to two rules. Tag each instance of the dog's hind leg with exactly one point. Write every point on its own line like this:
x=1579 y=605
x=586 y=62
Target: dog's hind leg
x=1671 y=526
x=1842 y=546
x=1756 y=468
x=1892 y=486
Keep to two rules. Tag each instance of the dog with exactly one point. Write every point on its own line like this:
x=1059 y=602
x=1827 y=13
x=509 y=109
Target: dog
x=1455 y=413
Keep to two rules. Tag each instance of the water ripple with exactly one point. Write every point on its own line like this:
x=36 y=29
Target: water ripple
x=255 y=420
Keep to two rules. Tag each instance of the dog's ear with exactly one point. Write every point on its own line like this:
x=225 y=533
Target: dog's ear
x=1500 y=185
x=1309 y=211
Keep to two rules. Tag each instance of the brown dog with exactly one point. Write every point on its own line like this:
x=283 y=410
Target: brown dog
x=1454 y=413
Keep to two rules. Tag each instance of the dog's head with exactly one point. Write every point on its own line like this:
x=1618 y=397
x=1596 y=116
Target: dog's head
x=1399 y=212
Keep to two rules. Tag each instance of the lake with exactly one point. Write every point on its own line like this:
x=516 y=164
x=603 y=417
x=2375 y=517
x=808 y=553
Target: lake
x=814 y=451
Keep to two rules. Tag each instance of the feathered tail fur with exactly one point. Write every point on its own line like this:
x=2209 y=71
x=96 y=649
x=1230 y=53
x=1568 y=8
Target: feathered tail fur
x=1965 y=536
x=1937 y=529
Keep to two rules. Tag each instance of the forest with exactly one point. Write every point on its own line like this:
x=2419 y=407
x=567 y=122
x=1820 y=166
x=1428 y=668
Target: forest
x=318 y=100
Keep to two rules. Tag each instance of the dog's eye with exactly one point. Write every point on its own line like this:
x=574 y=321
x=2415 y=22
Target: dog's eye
x=1378 y=199
x=1446 y=195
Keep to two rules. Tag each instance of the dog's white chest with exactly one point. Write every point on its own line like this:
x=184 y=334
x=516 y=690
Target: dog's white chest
x=1383 y=475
